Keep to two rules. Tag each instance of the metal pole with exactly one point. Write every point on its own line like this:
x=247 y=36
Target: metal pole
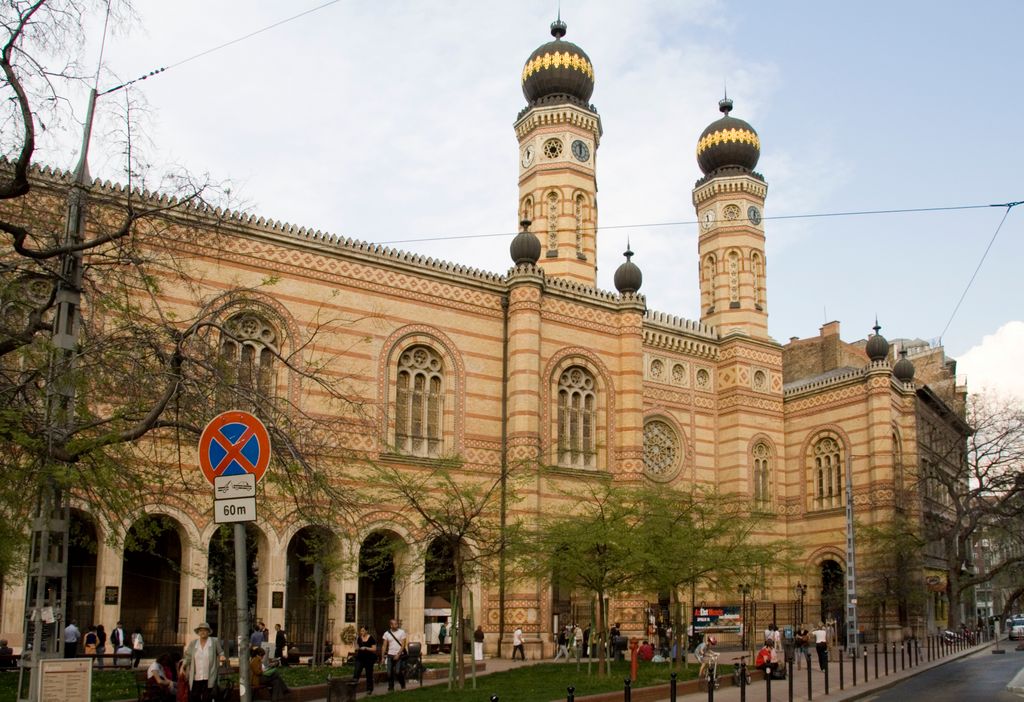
x=242 y=599
x=810 y=696
x=841 y=676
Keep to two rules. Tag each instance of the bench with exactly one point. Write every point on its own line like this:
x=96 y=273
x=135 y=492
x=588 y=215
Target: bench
x=10 y=661
x=118 y=659
x=147 y=692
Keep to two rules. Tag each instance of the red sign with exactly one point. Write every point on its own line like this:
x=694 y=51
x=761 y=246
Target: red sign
x=234 y=443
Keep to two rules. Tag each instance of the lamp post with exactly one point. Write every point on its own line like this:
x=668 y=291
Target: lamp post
x=801 y=590
x=744 y=590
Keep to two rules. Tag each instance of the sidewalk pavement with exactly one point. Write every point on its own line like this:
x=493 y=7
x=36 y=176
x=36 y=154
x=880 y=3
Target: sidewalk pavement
x=780 y=688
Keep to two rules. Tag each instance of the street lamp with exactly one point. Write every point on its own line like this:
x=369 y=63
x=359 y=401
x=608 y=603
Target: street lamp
x=801 y=590
x=744 y=590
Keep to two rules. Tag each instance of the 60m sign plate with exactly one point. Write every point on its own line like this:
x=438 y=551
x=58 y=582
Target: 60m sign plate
x=240 y=509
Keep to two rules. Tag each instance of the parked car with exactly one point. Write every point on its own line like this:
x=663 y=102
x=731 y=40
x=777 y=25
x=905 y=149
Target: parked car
x=1015 y=628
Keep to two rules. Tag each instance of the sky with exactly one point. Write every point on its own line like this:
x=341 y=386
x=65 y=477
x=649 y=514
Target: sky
x=391 y=122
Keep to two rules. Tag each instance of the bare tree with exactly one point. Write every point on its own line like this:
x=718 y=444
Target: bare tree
x=455 y=509
x=972 y=487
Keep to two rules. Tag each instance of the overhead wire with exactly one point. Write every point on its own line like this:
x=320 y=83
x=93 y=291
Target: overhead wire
x=1009 y=206
x=646 y=225
x=218 y=47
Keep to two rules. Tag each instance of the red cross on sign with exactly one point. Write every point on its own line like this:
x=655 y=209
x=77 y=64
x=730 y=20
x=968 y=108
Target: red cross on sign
x=234 y=443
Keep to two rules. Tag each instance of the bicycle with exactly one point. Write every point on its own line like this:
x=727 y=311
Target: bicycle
x=710 y=676
x=737 y=676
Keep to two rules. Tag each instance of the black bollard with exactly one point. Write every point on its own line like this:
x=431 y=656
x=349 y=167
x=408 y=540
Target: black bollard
x=885 y=659
x=809 y=696
x=903 y=656
x=841 y=669
x=572 y=694
x=853 y=665
x=826 y=678
x=711 y=686
x=494 y=698
x=865 y=665
x=893 y=657
x=917 y=652
x=672 y=688
x=876 y=661
x=743 y=681
x=790 y=677
x=768 y=684
x=627 y=690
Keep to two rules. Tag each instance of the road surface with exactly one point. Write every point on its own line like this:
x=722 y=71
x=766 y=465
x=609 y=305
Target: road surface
x=981 y=677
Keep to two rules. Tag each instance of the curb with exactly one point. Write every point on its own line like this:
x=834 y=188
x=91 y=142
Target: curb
x=861 y=694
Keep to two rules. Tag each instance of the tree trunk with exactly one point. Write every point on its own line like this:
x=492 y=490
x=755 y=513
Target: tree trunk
x=459 y=580
x=602 y=637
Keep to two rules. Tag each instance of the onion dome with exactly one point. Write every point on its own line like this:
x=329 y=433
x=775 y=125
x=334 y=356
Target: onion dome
x=904 y=368
x=728 y=143
x=558 y=68
x=628 y=277
x=877 y=347
x=525 y=247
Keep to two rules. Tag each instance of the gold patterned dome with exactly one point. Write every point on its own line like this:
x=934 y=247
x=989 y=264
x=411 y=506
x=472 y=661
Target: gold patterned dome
x=728 y=143
x=558 y=68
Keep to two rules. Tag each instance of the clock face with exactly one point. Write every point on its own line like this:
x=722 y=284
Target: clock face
x=707 y=220
x=754 y=215
x=581 y=151
x=528 y=153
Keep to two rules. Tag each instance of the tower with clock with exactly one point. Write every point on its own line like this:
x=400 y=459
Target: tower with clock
x=729 y=200
x=558 y=133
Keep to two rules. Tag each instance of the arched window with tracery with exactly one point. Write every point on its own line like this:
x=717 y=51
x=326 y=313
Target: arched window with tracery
x=249 y=347
x=419 y=402
x=734 y=278
x=762 y=456
x=827 y=473
x=577 y=418
x=552 y=221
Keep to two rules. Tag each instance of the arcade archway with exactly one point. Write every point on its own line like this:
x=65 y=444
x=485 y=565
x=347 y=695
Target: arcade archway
x=377 y=601
x=312 y=557
x=151 y=580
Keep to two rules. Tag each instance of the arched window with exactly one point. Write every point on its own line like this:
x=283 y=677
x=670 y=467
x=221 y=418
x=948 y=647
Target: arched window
x=709 y=284
x=734 y=278
x=897 y=469
x=756 y=271
x=827 y=473
x=249 y=347
x=580 y=201
x=527 y=211
x=419 y=401
x=577 y=418
x=552 y=221
x=762 y=474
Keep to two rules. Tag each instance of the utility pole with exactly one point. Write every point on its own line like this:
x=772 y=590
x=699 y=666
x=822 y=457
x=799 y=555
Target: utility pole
x=48 y=555
x=851 y=562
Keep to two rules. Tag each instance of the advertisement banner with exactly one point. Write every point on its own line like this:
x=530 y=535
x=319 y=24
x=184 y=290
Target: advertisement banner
x=714 y=619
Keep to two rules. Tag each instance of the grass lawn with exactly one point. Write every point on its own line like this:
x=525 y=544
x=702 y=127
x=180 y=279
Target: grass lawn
x=548 y=681
x=534 y=683
x=110 y=685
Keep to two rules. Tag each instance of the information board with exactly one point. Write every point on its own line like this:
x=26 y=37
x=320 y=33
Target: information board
x=65 y=679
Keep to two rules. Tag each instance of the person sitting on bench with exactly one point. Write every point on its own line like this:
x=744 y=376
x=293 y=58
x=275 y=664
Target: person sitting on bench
x=266 y=675
x=768 y=660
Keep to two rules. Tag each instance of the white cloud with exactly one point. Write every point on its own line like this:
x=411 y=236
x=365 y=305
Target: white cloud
x=994 y=365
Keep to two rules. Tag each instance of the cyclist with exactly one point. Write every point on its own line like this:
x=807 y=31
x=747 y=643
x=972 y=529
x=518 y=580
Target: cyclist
x=706 y=654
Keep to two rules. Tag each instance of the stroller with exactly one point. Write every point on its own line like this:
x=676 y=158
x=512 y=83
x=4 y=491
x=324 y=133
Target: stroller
x=414 y=663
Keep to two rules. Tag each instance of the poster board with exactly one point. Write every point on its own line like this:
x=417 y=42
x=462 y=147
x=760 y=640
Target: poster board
x=65 y=679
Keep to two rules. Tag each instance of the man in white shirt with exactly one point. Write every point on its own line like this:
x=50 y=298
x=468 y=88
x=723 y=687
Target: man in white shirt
x=821 y=644
x=394 y=649
x=517 y=643
x=71 y=638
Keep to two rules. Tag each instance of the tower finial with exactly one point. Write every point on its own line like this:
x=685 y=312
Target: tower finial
x=558 y=27
x=725 y=105
x=628 y=253
x=877 y=327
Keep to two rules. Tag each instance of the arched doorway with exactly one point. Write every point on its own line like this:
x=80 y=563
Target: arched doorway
x=438 y=589
x=81 y=595
x=833 y=596
x=151 y=580
x=377 y=602
x=312 y=557
x=221 y=610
